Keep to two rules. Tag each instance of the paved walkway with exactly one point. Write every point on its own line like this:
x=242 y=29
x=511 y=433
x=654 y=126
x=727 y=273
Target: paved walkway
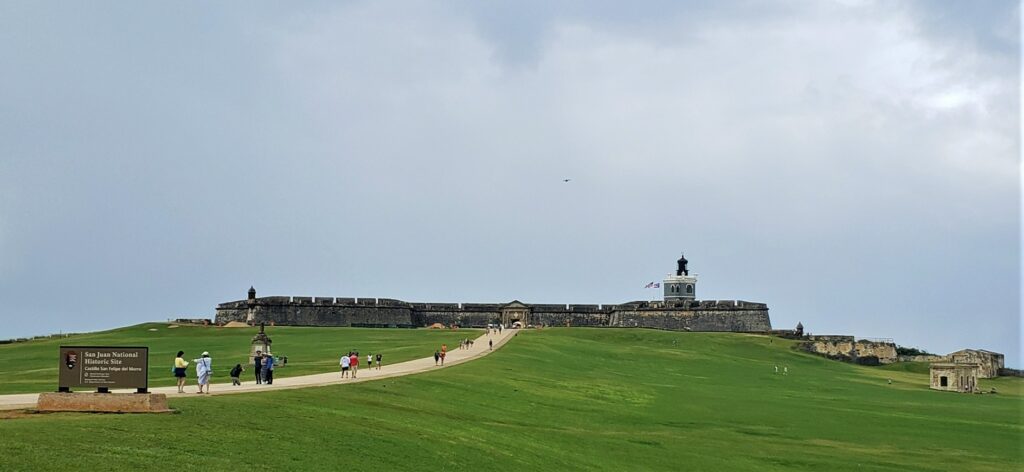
x=455 y=356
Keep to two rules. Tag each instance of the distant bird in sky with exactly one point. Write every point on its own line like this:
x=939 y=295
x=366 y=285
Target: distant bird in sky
x=566 y=180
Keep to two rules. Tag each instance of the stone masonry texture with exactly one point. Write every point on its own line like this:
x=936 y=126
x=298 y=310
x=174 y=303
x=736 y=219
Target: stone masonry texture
x=690 y=315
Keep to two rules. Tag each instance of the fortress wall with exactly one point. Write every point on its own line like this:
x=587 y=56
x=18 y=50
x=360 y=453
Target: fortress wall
x=704 y=315
x=227 y=314
x=436 y=306
x=559 y=318
x=464 y=318
x=303 y=311
x=703 y=319
x=550 y=308
x=585 y=308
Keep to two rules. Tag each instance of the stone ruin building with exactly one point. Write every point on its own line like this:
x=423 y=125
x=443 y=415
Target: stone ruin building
x=954 y=377
x=989 y=363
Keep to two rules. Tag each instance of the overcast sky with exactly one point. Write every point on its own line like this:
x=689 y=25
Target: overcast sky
x=854 y=165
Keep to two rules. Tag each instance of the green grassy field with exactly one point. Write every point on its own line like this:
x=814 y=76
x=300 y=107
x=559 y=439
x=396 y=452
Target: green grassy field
x=564 y=399
x=32 y=366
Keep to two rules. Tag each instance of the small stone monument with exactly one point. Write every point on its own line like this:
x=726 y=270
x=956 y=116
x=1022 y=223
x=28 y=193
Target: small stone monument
x=260 y=342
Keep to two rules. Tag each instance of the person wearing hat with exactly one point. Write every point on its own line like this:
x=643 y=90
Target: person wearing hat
x=204 y=367
x=268 y=369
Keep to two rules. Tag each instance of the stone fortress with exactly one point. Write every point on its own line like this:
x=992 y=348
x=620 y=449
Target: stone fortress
x=679 y=310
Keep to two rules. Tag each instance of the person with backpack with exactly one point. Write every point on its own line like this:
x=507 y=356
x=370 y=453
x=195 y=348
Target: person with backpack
x=235 y=372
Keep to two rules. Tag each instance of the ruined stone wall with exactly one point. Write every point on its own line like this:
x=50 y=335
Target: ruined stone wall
x=923 y=358
x=858 y=352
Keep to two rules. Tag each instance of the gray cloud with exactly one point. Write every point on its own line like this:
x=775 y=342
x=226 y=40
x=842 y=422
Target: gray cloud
x=853 y=165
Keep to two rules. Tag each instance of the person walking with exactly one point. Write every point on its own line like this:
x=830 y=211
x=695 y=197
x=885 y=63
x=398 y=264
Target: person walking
x=355 y=364
x=437 y=357
x=345 y=363
x=268 y=369
x=204 y=367
x=442 y=358
x=257 y=366
x=369 y=361
x=380 y=361
x=235 y=372
x=179 y=370
x=490 y=344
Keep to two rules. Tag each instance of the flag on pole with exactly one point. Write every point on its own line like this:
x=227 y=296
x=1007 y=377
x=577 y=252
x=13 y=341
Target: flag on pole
x=653 y=285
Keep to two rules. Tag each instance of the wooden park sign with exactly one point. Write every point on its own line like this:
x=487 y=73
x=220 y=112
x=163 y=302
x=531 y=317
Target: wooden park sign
x=104 y=368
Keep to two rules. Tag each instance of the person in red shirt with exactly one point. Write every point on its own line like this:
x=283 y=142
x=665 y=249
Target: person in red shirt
x=354 y=363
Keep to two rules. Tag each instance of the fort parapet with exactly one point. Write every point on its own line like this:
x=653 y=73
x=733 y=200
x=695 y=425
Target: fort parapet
x=689 y=315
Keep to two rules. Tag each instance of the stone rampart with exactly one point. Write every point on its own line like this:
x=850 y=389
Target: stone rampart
x=693 y=315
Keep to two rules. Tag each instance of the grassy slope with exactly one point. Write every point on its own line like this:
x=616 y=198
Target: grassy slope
x=565 y=399
x=32 y=366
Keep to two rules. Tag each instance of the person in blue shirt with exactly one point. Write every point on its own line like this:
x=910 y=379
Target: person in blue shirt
x=268 y=369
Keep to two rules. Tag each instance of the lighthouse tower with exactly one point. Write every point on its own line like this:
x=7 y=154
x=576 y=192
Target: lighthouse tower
x=681 y=286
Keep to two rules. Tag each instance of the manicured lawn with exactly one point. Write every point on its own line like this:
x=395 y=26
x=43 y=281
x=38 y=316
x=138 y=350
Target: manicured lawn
x=563 y=399
x=32 y=366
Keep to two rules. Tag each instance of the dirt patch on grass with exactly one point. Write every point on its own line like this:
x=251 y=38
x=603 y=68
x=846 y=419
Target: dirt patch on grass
x=15 y=414
x=236 y=324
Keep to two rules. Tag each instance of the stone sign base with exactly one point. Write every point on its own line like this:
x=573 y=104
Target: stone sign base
x=104 y=402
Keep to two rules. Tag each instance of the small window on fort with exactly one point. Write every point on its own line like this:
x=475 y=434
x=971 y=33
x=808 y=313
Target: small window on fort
x=943 y=382
x=689 y=289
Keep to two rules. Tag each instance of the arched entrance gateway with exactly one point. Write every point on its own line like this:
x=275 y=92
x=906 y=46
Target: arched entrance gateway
x=515 y=311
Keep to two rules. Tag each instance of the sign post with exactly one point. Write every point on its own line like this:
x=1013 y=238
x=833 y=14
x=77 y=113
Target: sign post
x=104 y=368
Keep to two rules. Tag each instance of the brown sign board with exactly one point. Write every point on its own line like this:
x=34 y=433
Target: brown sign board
x=104 y=367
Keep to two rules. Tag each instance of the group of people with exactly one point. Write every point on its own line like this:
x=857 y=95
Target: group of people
x=440 y=354
x=263 y=367
x=204 y=368
x=264 y=363
x=350 y=362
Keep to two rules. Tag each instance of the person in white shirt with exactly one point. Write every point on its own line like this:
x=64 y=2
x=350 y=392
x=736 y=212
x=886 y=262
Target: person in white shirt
x=204 y=367
x=369 y=361
x=345 y=362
